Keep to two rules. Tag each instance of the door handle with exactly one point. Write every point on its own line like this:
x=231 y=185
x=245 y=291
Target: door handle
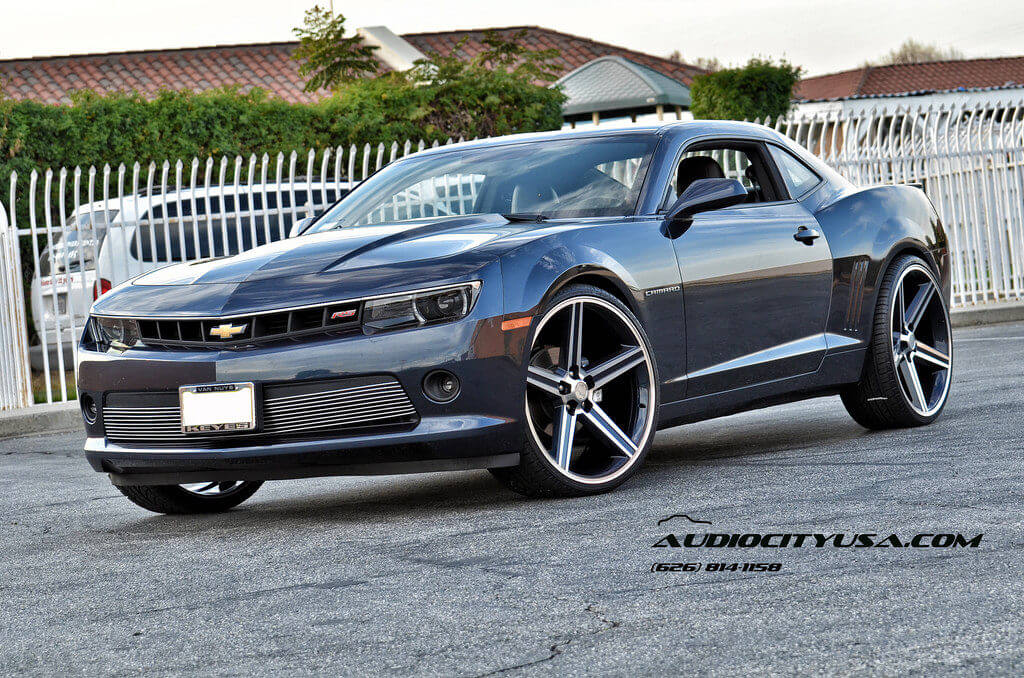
x=806 y=235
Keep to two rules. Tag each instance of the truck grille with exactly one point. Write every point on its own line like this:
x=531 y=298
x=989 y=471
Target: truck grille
x=290 y=411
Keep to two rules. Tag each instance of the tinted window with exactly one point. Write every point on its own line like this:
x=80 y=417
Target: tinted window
x=742 y=162
x=579 y=177
x=799 y=179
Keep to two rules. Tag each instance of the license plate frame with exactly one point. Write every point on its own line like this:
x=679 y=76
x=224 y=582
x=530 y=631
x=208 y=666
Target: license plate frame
x=222 y=408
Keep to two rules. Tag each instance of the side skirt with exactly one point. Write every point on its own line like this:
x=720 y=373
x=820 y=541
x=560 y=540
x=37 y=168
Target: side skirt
x=836 y=370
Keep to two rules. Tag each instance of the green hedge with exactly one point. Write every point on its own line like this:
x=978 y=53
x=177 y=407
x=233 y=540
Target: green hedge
x=757 y=90
x=97 y=129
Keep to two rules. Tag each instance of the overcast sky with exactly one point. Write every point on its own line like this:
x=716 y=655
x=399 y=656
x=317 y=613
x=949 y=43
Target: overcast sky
x=822 y=36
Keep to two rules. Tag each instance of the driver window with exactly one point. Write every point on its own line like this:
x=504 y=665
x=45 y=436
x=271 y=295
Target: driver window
x=742 y=163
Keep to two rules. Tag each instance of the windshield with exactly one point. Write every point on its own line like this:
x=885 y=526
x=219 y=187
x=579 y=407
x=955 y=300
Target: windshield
x=581 y=177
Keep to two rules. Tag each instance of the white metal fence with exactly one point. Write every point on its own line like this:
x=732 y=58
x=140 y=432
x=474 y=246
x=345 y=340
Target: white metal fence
x=970 y=162
x=74 y=232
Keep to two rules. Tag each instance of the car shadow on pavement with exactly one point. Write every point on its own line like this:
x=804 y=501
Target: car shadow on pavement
x=746 y=436
x=363 y=500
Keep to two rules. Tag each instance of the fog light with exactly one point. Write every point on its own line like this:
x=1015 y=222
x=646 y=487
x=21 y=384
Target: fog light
x=441 y=386
x=89 y=409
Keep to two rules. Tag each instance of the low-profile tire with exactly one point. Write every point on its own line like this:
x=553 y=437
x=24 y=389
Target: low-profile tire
x=909 y=362
x=591 y=397
x=201 y=498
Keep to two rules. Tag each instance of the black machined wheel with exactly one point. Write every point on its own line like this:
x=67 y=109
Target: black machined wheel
x=591 y=397
x=206 y=497
x=909 y=367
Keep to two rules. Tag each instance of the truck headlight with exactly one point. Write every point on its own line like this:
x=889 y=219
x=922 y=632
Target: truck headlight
x=415 y=309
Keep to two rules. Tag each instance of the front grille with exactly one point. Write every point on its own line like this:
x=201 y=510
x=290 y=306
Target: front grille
x=290 y=411
x=218 y=333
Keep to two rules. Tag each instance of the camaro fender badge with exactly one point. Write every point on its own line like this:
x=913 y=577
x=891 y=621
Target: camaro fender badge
x=227 y=330
x=661 y=290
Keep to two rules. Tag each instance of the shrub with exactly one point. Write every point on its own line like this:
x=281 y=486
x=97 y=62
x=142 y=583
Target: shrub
x=757 y=90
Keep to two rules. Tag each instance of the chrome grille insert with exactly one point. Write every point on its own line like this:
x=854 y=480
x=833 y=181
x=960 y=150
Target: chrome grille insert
x=304 y=409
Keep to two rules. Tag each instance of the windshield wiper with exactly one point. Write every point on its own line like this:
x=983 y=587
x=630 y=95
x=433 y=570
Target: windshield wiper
x=525 y=216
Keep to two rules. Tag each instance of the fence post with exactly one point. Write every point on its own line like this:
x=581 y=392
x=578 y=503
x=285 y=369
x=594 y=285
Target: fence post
x=16 y=382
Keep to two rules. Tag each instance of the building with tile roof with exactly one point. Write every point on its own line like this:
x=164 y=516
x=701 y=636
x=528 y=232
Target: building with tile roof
x=914 y=79
x=270 y=66
x=961 y=82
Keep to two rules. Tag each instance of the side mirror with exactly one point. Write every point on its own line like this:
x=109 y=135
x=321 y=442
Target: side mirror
x=299 y=226
x=702 y=195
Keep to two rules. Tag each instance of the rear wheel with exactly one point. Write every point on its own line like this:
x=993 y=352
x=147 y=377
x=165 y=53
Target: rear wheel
x=206 y=497
x=591 y=398
x=909 y=364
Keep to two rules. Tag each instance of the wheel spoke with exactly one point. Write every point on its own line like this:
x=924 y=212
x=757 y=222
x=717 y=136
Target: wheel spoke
x=545 y=380
x=913 y=383
x=901 y=309
x=914 y=313
x=601 y=424
x=564 y=435
x=574 y=338
x=931 y=355
x=622 y=362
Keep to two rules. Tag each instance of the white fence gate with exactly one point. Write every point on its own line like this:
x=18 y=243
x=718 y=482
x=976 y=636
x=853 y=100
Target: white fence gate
x=82 y=231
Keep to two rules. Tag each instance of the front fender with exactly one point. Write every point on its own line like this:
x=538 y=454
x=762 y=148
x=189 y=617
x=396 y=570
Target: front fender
x=632 y=255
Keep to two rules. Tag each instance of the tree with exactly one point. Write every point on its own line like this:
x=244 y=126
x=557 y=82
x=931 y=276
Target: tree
x=760 y=89
x=511 y=56
x=709 y=64
x=914 y=52
x=329 y=57
x=495 y=92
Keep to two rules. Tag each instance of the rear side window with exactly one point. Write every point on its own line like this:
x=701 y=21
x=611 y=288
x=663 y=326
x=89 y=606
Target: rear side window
x=798 y=177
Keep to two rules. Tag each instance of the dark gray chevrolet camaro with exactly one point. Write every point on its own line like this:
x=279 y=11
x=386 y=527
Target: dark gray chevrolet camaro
x=536 y=305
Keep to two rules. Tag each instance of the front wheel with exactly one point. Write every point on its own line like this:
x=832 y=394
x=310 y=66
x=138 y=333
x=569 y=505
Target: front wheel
x=591 y=397
x=909 y=365
x=206 y=497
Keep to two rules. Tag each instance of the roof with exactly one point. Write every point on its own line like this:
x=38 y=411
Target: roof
x=690 y=127
x=574 y=51
x=613 y=83
x=268 y=65
x=904 y=79
x=51 y=79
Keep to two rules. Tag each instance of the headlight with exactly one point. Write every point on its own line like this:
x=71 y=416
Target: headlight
x=416 y=309
x=119 y=333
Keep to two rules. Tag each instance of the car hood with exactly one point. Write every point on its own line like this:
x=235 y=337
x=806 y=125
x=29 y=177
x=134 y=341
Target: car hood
x=340 y=250
x=345 y=263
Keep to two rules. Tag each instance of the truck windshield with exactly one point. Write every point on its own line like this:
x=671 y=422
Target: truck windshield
x=580 y=177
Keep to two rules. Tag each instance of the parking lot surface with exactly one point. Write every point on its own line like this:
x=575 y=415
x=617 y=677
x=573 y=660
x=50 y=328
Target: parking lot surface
x=450 y=574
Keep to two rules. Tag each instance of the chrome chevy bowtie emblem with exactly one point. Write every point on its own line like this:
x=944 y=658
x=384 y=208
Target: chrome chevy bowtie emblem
x=227 y=330
x=580 y=390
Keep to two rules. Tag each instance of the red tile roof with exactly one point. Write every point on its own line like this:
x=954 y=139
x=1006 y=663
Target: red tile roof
x=51 y=79
x=268 y=65
x=932 y=76
x=574 y=50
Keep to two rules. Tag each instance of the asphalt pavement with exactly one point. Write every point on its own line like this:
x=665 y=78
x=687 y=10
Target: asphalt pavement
x=450 y=574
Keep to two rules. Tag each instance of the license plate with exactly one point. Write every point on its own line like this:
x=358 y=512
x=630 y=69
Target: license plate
x=217 y=408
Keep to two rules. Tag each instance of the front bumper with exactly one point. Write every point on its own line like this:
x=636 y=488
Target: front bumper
x=437 y=444
x=480 y=428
